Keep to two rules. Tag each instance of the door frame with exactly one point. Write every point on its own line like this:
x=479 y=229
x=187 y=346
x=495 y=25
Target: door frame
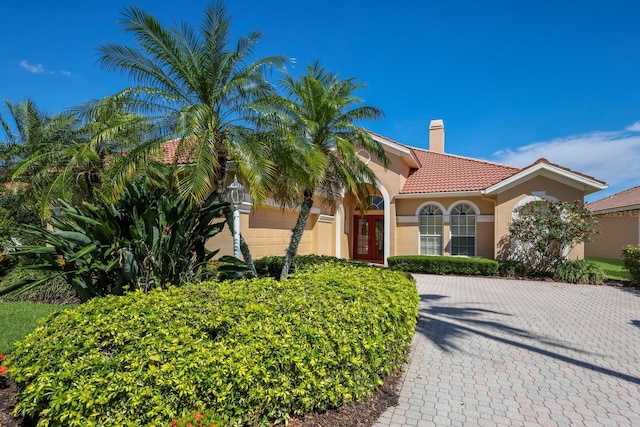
x=372 y=255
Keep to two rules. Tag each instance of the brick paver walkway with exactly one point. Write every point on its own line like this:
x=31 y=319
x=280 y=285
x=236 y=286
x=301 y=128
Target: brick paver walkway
x=519 y=353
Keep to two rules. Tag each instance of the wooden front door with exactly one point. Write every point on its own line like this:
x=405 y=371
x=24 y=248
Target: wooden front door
x=368 y=242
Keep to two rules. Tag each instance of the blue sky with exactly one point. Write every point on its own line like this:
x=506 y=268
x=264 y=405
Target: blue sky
x=512 y=80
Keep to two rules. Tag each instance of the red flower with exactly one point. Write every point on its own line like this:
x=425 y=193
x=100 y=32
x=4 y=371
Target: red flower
x=198 y=416
x=1 y=357
x=3 y=370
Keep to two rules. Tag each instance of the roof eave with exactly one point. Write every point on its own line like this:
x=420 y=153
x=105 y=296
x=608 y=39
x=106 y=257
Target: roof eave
x=469 y=193
x=403 y=152
x=616 y=209
x=581 y=182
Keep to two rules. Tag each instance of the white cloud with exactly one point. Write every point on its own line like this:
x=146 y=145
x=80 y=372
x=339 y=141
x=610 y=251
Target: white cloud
x=634 y=127
x=32 y=68
x=39 y=69
x=612 y=157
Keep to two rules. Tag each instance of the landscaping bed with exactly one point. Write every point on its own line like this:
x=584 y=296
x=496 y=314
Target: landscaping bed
x=258 y=351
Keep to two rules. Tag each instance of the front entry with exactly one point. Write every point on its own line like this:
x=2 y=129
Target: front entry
x=368 y=242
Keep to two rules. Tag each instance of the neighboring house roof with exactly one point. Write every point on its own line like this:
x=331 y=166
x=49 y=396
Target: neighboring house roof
x=624 y=200
x=444 y=173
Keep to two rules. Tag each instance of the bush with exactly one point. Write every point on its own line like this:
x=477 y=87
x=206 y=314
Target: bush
x=248 y=352
x=150 y=237
x=444 y=265
x=579 y=271
x=271 y=266
x=55 y=291
x=542 y=231
x=631 y=261
x=511 y=268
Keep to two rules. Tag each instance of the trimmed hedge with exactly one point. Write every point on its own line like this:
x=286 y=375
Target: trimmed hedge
x=271 y=266
x=631 y=260
x=444 y=265
x=249 y=352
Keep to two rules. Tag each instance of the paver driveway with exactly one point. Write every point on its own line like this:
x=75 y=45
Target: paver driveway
x=504 y=352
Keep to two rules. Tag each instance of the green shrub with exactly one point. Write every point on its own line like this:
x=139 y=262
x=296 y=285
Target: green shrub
x=511 y=268
x=6 y=264
x=248 y=352
x=148 y=238
x=444 y=265
x=271 y=266
x=542 y=230
x=579 y=271
x=631 y=259
x=55 y=291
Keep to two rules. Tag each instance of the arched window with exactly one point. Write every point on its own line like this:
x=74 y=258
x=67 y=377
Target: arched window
x=430 y=220
x=377 y=203
x=463 y=230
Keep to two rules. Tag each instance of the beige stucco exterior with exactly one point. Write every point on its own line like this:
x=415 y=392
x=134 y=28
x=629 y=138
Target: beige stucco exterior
x=536 y=187
x=267 y=229
x=615 y=231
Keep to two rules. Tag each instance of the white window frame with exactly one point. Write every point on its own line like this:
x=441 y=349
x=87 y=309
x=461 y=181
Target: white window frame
x=419 y=214
x=476 y=214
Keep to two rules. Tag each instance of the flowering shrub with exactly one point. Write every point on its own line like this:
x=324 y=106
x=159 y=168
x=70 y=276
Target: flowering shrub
x=3 y=371
x=197 y=419
x=543 y=231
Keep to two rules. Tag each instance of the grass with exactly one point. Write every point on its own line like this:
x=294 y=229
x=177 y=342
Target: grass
x=19 y=318
x=613 y=268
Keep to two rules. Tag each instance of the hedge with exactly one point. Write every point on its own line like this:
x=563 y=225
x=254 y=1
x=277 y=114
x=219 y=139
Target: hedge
x=271 y=266
x=444 y=265
x=631 y=260
x=251 y=352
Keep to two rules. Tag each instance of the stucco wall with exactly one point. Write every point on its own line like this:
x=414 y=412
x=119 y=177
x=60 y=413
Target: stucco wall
x=509 y=198
x=267 y=231
x=408 y=234
x=616 y=230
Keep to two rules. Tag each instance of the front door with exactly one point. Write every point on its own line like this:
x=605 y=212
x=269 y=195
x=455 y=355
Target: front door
x=368 y=243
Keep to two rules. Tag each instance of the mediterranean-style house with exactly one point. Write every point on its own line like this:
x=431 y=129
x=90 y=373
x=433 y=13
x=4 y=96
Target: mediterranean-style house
x=427 y=202
x=618 y=224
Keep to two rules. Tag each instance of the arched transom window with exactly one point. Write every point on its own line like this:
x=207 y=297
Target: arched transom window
x=430 y=220
x=377 y=202
x=463 y=230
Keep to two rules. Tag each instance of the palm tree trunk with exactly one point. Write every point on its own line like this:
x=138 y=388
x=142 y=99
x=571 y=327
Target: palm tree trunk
x=244 y=248
x=296 y=234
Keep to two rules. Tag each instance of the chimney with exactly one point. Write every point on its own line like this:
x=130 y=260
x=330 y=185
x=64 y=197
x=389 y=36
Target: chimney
x=436 y=136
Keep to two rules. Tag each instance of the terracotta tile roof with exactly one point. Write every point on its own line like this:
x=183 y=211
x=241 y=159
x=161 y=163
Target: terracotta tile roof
x=448 y=173
x=167 y=151
x=618 y=201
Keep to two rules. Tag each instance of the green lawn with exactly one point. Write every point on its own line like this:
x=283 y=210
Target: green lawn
x=19 y=318
x=612 y=268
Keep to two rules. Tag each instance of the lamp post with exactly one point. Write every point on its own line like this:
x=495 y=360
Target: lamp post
x=235 y=191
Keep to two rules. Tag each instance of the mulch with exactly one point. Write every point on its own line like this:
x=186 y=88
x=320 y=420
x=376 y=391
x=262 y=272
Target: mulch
x=354 y=414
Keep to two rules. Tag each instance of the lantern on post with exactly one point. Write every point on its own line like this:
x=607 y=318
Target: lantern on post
x=235 y=194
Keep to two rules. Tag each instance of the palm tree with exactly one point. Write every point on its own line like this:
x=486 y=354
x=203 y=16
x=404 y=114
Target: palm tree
x=30 y=142
x=72 y=154
x=200 y=87
x=317 y=120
